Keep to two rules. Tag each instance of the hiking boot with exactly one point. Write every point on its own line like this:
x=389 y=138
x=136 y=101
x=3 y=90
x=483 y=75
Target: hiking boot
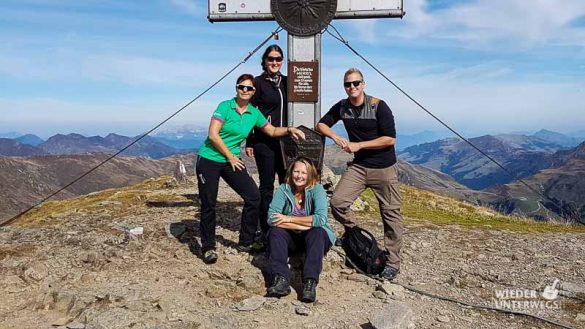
x=309 y=291
x=389 y=273
x=210 y=257
x=257 y=246
x=279 y=287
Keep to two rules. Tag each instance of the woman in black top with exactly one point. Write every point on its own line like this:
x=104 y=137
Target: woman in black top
x=271 y=99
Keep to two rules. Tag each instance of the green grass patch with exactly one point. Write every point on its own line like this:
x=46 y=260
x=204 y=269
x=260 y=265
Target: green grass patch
x=426 y=207
x=53 y=212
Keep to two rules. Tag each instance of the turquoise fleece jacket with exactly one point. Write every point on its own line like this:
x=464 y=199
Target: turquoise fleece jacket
x=315 y=204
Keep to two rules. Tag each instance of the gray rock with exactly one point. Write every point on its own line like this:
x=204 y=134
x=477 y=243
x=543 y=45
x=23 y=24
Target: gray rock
x=394 y=315
x=251 y=304
x=360 y=205
x=334 y=257
x=303 y=310
x=346 y=271
x=249 y=282
x=580 y=317
x=443 y=318
x=329 y=179
x=466 y=319
x=357 y=277
x=394 y=291
x=379 y=294
x=61 y=322
x=36 y=272
x=76 y=325
x=572 y=290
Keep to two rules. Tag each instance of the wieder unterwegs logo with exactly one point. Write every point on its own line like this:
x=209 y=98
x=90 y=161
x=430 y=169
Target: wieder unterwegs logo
x=525 y=299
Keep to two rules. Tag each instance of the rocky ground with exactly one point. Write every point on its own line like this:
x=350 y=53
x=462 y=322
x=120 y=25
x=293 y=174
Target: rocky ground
x=76 y=264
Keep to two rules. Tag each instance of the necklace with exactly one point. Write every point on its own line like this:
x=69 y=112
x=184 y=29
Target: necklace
x=299 y=198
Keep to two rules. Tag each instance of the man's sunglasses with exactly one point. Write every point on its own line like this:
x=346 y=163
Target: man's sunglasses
x=274 y=59
x=355 y=83
x=245 y=88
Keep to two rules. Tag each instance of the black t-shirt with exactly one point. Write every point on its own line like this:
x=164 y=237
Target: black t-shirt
x=365 y=125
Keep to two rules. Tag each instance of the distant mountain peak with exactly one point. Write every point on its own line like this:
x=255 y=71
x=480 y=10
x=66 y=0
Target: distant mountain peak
x=29 y=139
x=579 y=152
x=11 y=147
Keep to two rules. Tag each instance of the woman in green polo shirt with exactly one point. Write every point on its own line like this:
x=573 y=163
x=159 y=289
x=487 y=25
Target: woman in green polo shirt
x=230 y=124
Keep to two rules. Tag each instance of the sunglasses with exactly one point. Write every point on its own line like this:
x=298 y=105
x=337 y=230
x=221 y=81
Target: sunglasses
x=355 y=83
x=245 y=88
x=274 y=59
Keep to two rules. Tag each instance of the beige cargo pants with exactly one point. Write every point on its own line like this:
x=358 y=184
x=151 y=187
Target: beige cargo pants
x=384 y=184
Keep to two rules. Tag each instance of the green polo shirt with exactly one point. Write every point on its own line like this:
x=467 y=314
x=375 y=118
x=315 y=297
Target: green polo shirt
x=235 y=129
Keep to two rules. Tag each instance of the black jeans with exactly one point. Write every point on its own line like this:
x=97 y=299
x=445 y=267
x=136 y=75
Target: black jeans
x=315 y=242
x=269 y=162
x=208 y=174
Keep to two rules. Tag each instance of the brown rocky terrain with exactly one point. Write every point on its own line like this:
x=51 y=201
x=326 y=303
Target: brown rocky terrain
x=26 y=180
x=75 y=264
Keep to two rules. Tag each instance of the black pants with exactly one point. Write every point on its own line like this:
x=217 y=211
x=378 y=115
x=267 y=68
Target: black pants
x=315 y=241
x=269 y=162
x=208 y=174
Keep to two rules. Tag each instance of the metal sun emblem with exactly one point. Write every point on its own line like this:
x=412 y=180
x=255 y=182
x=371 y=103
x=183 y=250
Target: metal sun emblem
x=303 y=17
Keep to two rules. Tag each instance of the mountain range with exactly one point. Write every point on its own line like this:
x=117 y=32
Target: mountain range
x=78 y=144
x=26 y=180
x=447 y=166
x=521 y=155
x=562 y=185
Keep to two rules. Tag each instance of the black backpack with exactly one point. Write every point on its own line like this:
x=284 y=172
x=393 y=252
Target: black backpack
x=362 y=251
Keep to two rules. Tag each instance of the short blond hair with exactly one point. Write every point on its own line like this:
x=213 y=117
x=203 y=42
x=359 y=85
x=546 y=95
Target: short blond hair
x=352 y=70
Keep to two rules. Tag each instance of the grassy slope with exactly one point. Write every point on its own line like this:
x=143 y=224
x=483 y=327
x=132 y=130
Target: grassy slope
x=426 y=207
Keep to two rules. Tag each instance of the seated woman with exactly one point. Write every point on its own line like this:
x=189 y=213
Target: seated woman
x=230 y=124
x=298 y=218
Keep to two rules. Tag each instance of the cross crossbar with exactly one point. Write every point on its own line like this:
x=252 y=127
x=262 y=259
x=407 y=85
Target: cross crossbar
x=259 y=10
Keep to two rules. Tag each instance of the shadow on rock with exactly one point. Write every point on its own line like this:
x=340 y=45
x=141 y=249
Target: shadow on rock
x=187 y=232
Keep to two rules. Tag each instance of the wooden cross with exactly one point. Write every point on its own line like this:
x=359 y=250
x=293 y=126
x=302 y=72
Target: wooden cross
x=304 y=23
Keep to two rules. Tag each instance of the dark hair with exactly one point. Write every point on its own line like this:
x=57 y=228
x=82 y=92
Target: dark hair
x=246 y=76
x=312 y=175
x=267 y=51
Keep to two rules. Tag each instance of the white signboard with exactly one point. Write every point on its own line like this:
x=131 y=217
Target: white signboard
x=255 y=10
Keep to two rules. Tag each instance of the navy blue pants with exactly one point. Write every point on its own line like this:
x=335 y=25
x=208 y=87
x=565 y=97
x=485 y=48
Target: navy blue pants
x=208 y=174
x=314 y=242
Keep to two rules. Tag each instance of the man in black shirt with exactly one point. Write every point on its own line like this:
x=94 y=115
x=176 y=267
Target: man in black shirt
x=370 y=127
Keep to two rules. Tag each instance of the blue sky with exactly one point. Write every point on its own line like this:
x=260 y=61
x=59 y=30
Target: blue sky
x=483 y=66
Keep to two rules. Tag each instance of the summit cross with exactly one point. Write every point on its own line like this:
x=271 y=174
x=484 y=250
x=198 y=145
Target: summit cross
x=304 y=20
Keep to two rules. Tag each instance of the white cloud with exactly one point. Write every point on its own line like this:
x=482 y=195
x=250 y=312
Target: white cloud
x=514 y=22
x=493 y=23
